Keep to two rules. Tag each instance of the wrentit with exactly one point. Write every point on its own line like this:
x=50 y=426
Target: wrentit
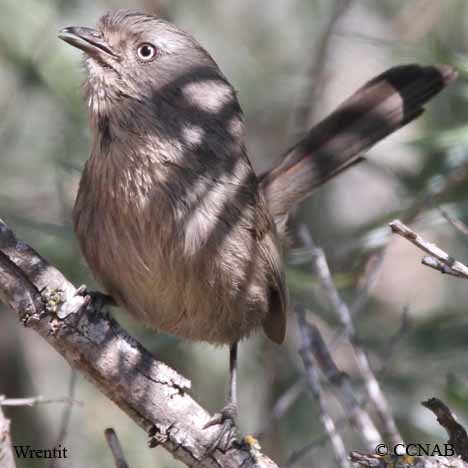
x=170 y=215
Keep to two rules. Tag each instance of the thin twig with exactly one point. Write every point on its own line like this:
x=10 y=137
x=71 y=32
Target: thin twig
x=374 y=391
x=324 y=275
x=321 y=440
x=313 y=384
x=66 y=416
x=342 y=387
x=39 y=400
x=437 y=265
x=116 y=448
x=444 y=262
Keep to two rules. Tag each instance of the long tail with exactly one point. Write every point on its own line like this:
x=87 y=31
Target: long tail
x=380 y=107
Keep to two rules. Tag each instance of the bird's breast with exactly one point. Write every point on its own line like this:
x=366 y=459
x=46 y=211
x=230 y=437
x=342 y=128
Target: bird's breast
x=174 y=247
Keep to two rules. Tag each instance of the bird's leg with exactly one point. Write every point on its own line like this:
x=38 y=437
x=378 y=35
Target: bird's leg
x=228 y=415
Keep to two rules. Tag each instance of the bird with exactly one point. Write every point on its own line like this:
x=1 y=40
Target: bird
x=170 y=215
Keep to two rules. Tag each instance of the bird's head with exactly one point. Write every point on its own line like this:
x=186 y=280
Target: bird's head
x=141 y=57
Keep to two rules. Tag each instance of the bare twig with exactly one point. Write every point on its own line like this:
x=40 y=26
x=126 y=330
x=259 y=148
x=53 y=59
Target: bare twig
x=7 y=459
x=66 y=416
x=341 y=385
x=443 y=261
x=374 y=391
x=151 y=393
x=116 y=448
x=435 y=264
x=33 y=401
x=323 y=273
x=313 y=384
x=458 y=437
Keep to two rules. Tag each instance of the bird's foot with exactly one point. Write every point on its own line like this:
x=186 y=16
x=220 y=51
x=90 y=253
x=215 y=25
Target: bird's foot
x=155 y=437
x=98 y=299
x=226 y=436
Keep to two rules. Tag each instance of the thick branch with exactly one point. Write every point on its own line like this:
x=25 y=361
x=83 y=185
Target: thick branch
x=150 y=392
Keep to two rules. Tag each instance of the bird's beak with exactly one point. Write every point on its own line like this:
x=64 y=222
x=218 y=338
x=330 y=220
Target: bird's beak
x=89 y=40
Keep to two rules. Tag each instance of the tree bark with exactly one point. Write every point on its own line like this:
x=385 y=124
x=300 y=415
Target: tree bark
x=151 y=393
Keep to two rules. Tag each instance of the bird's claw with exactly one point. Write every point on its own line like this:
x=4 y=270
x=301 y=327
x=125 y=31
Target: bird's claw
x=226 y=436
x=98 y=299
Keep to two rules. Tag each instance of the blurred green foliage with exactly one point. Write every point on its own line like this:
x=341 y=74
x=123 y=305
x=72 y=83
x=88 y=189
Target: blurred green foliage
x=265 y=48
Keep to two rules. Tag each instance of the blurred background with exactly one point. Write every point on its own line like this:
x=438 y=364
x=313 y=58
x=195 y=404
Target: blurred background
x=292 y=62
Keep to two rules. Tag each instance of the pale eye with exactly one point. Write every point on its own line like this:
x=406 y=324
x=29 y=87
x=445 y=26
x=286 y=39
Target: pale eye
x=146 y=52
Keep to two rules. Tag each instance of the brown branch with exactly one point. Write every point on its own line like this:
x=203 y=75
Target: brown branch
x=457 y=433
x=7 y=459
x=151 y=393
x=438 y=259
